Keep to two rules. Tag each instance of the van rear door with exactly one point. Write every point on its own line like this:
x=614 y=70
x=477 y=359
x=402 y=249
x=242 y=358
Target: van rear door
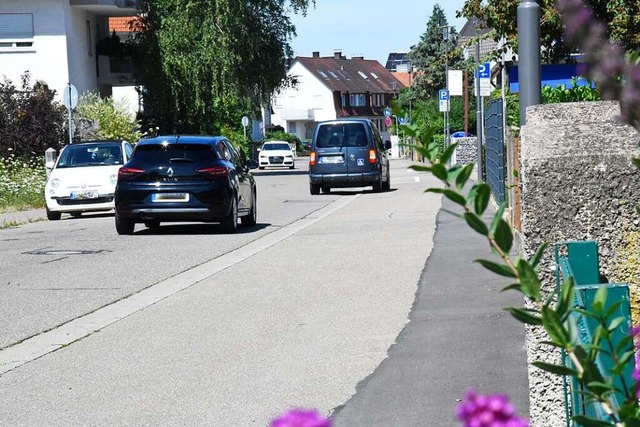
x=330 y=151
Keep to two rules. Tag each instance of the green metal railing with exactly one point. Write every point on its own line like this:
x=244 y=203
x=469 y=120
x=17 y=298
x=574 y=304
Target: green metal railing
x=580 y=261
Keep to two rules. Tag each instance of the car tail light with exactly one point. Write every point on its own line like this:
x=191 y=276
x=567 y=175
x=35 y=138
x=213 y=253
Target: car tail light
x=312 y=158
x=215 y=171
x=372 y=156
x=125 y=173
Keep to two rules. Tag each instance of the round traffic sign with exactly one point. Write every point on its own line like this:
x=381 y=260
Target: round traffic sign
x=387 y=121
x=70 y=96
x=387 y=112
x=245 y=121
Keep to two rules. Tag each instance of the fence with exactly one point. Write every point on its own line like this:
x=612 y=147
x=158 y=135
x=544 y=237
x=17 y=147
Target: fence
x=495 y=160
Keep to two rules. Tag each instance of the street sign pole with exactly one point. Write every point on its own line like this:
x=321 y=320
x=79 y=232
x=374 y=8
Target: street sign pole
x=70 y=100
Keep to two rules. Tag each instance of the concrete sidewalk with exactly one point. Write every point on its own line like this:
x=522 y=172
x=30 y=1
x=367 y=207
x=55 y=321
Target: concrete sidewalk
x=12 y=218
x=458 y=337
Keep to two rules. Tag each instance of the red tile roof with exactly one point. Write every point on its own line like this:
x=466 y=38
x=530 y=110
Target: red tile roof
x=405 y=78
x=121 y=24
x=352 y=75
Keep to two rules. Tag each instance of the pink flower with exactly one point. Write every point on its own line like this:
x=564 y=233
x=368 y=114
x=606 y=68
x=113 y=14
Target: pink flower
x=488 y=411
x=301 y=418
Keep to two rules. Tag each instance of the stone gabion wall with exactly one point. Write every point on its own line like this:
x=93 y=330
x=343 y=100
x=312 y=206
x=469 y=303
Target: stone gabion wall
x=578 y=183
x=467 y=150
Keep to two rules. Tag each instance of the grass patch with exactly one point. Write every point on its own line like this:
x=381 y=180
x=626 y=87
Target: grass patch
x=22 y=183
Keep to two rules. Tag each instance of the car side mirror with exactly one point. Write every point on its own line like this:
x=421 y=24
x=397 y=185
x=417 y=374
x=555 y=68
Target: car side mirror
x=252 y=164
x=387 y=145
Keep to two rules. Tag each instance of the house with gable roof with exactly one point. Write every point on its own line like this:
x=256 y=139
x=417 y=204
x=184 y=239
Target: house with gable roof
x=330 y=88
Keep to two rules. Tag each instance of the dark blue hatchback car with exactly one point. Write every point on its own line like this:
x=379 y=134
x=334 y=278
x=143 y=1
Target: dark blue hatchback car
x=185 y=178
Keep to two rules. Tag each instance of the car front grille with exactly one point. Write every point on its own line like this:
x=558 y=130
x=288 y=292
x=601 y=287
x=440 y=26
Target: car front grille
x=276 y=159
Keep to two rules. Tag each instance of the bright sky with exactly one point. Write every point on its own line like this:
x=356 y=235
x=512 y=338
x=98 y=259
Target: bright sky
x=369 y=28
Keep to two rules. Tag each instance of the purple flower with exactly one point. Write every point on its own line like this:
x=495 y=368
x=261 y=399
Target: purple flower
x=492 y=410
x=301 y=418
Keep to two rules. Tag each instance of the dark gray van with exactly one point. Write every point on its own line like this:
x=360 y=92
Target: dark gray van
x=348 y=153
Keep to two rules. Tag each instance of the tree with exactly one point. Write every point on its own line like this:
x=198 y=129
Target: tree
x=429 y=55
x=621 y=16
x=202 y=58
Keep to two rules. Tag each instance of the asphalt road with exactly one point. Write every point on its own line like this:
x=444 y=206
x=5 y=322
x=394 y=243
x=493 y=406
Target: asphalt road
x=328 y=303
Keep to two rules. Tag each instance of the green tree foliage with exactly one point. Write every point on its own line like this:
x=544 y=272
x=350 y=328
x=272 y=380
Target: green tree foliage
x=429 y=55
x=206 y=57
x=30 y=120
x=112 y=118
x=621 y=16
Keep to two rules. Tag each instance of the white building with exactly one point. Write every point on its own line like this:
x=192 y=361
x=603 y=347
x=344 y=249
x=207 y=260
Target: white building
x=55 y=40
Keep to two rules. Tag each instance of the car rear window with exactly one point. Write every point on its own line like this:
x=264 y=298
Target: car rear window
x=83 y=155
x=174 y=153
x=341 y=135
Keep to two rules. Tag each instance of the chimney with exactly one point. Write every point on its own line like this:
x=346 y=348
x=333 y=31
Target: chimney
x=337 y=55
x=357 y=58
x=316 y=54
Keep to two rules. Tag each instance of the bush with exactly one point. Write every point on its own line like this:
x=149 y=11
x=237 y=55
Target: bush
x=30 y=120
x=111 y=119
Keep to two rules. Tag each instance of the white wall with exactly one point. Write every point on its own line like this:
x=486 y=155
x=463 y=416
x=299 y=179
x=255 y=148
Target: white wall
x=82 y=66
x=310 y=93
x=47 y=61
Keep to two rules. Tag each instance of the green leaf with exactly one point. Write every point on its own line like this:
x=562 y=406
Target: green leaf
x=600 y=299
x=555 y=369
x=529 y=280
x=481 y=200
x=501 y=269
x=585 y=421
x=527 y=316
x=615 y=323
x=446 y=156
x=455 y=197
x=439 y=171
x=554 y=327
x=624 y=344
x=498 y=216
x=535 y=260
x=420 y=168
x=636 y=161
x=434 y=190
x=476 y=223
x=567 y=292
x=512 y=287
x=464 y=175
x=503 y=236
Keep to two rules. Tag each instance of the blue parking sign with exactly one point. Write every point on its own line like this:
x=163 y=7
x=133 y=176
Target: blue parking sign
x=443 y=94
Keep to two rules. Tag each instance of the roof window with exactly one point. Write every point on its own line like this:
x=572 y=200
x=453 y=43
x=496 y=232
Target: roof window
x=334 y=75
x=363 y=75
x=323 y=74
x=375 y=76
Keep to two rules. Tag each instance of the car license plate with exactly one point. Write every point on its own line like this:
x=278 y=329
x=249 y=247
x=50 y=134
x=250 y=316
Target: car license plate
x=170 y=197
x=331 y=159
x=81 y=195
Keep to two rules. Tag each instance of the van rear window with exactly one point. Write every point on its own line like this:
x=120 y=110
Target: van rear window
x=342 y=135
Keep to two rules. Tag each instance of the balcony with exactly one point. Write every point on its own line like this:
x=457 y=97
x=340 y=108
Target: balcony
x=115 y=71
x=297 y=114
x=107 y=7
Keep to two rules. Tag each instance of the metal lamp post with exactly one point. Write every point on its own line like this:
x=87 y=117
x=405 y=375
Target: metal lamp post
x=528 y=56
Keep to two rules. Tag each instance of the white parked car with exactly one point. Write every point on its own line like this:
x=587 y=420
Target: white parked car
x=83 y=177
x=276 y=153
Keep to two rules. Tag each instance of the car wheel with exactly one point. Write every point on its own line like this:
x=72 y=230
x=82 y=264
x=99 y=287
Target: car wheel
x=152 y=223
x=252 y=218
x=76 y=214
x=326 y=190
x=386 y=186
x=124 y=225
x=53 y=216
x=230 y=222
x=292 y=167
x=377 y=186
x=314 y=189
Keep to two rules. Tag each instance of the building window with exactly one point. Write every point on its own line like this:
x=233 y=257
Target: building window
x=357 y=100
x=292 y=127
x=16 y=32
x=344 y=100
x=377 y=99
